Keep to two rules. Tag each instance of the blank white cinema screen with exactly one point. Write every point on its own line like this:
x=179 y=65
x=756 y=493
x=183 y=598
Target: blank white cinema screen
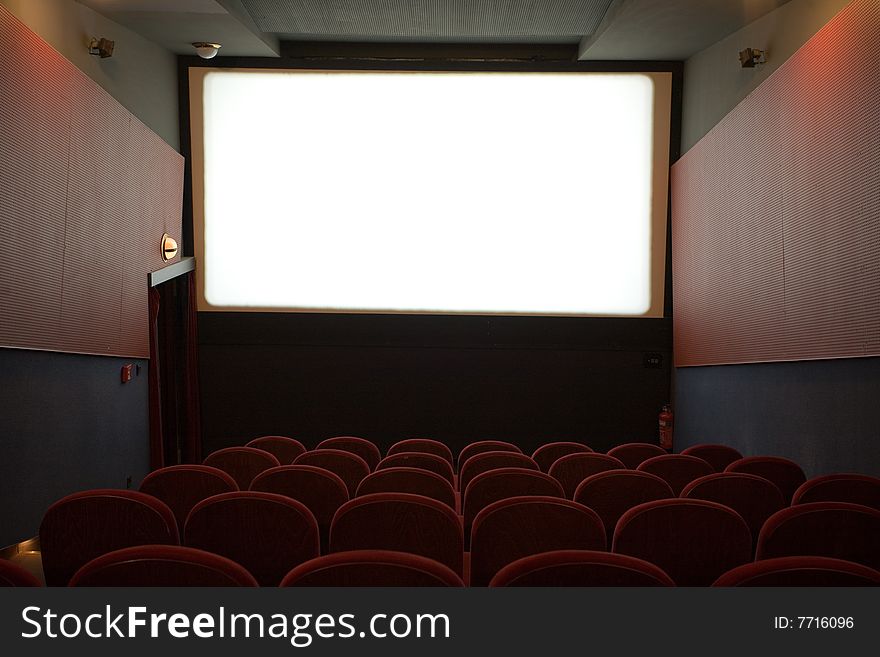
x=439 y=192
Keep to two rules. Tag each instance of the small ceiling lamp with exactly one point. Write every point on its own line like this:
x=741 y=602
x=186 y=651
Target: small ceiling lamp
x=752 y=57
x=169 y=247
x=206 y=50
x=101 y=47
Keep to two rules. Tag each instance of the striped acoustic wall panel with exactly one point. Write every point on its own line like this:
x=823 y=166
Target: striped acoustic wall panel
x=776 y=211
x=86 y=192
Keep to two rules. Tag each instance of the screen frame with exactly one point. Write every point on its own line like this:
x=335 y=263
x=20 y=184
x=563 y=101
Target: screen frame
x=422 y=57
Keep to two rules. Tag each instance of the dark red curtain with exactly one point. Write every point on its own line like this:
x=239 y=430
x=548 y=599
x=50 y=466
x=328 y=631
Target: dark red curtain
x=192 y=447
x=157 y=449
x=175 y=421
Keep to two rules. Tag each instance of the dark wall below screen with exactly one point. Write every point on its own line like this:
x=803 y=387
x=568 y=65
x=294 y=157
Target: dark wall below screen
x=528 y=380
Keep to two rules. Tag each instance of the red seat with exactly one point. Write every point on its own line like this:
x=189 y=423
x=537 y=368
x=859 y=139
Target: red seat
x=409 y=480
x=823 y=529
x=241 y=463
x=266 y=533
x=401 y=522
x=786 y=474
x=614 y=492
x=372 y=568
x=580 y=568
x=800 y=571
x=853 y=488
x=485 y=446
x=12 y=574
x=162 y=565
x=181 y=487
x=499 y=484
x=485 y=461
x=752 y=497
x=677 y=470
x=322 y=491
x=84 y=525
x=517 y=527
x=718 y=456
x=281 y=447
x=545 y=455
x=572 y=469
x=424 y=446
x=359 y=446
x=349 y=467
x=693 y=541
x=632 y=454
x=420 y=460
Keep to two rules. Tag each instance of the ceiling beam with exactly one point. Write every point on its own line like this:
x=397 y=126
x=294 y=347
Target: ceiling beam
x=236 y=9
x=610 y=15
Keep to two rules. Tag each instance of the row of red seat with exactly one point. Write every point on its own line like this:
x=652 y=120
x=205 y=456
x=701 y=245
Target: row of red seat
x=209 y=513
x=163 y=565
x=692 y=541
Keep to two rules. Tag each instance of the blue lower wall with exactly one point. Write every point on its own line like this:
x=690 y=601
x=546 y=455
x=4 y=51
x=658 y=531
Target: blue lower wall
x=67 y=423
x=823 y=414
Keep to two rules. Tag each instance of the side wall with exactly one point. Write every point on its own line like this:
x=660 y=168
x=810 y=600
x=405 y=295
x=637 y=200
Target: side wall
x=66 y=421
x=821 y=413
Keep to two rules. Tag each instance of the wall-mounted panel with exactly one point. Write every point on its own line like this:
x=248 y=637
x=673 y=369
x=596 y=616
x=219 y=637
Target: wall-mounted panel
x=33 y=184
x=776 y=211
x=86 y=192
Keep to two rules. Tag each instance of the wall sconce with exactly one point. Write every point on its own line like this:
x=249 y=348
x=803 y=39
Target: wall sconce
x=752 y=57
x=169 y=247
x=102 y=47
x=206 y=50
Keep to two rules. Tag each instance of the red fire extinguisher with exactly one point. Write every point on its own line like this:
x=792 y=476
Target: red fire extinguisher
x=666 y=427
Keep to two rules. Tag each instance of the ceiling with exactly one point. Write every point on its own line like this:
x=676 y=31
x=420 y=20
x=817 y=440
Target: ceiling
x=603 y=29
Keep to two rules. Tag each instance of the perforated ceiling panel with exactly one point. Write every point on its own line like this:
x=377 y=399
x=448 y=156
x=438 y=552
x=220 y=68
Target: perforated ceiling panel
x=440 y=20
x=776 y=212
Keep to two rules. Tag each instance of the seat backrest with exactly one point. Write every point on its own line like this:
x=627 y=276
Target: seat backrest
x=401 y=522
x=786 y=474
x=580 y=568
x=614 y=492
x=517 y=527
x=359 y=446
x=241 y=463
x=181 y=487
x=751 y=496
x=322 y=491
x=823 y=529
x=424 y=446
x=162 y=565
x=501 y=483
x=11 y=574
x=693 y=541
x=545 y=455
x=409 y=480
x=281 y=447
x=632 y=454
x=677 y=470
x=572 y=469
x=266 y=533
x=800 y=571
x=349 y=467
x=84 y=525
x=718 y=456
x=372 y=568
x=421 y=460
x=485 y=446
x=485 y=461
x=853 y=488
